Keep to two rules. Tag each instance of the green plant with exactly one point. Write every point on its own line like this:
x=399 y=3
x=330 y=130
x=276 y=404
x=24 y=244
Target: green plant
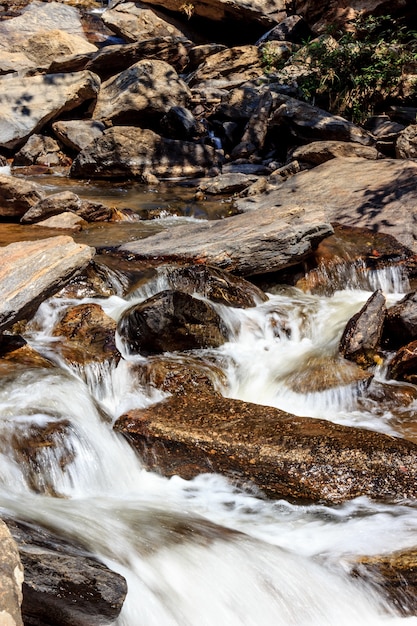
x=361 y=68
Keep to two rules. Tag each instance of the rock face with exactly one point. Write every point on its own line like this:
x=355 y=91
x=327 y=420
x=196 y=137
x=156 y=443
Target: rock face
x=286 y=456
x=10 y=580
x=239 y=244
x=170 y=321
x=125 y=151
x=64 y=584
x=18 y=195
x=27 y=104
x=378 y=195
x=31 y=271
x=147 y=89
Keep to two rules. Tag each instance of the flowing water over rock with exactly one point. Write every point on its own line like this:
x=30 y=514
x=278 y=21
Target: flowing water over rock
x=205 y=551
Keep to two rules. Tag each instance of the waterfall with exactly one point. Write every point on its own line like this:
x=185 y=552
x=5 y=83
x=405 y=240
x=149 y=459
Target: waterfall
x=202 y=551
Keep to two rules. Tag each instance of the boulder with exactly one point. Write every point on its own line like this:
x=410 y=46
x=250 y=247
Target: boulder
x=67 y=221
x=170 y=321
x=406 y=144
x=44 y=47
x=286 y=456
x=64 y=584
x=31 y=271
x=319 y=374
x=28 y=104
x=400 y=325
x=127 y=151
x=18 y=195
x=239 y=244
x=86 y=335
x=112 y=60
x=10 y=580
x=229 y=68
x=77 y=134
x=41 y=150
x=214 y=284
x=179 y=123
x=318 y=152
x=403 y=365
x=137 y=22
x=361 y=339
x=67 y=201
x=379 y=195
x=145 y=91
x=293 y=28
x=15 y=353
x=227 y=184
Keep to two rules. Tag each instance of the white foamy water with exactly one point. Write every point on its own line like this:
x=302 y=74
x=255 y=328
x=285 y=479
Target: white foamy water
x=201 y=552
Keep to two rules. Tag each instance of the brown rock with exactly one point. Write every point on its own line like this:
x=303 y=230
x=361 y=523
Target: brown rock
x=18 y=195
x=54 y=204
x=322 y=373
x=78 y=134
x=361 y=338
x=318 y=152
x=41 y=150
x=403 y=365
x=233 y=66
x=10 y=580
x=406 y=144
x=400 y=325
x=88 y=335
x=170 y=321
x=286 y=456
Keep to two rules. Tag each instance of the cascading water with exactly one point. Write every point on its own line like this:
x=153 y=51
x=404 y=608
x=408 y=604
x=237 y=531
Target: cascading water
x=201 y=552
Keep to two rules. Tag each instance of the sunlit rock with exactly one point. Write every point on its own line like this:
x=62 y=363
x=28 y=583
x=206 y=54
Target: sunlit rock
x=361 y=339
x=41 y=150
x=286 y=456
x=11 y=579
x=171 y=321
x=318 y=152
x=18 y=195
x=229 y=68
x=77 y=134
x=86 y=335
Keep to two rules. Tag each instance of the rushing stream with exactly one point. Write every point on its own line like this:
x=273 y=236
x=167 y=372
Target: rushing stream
x=203 y=552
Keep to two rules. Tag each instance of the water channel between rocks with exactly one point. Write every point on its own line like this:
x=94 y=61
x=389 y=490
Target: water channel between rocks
x=204 y=552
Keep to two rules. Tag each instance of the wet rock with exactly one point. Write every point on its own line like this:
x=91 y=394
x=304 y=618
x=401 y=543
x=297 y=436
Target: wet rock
x=87 y=335
x=361 y=338
x=147 y=89
x=112 y=60
x=322 y=373
x=126 y=151
x=64 y=584
x=10 y=580
x=318 y=152
x=214 y=284
x=309 y=122
x=15 y=351
x=379 y=195
x=18 y=195
x=403 y=366
x=179 y=123
x=239 y=244
x=137 y=22
x=286 y=456
x=28 y=104
x=77 y=134
x=400 y=325
x=170 y=321
x=228 y=68
x=96 y=280
x=41 y=150
x=394 y=574
x=31 y=271
x=64 y=221
x=67 y=201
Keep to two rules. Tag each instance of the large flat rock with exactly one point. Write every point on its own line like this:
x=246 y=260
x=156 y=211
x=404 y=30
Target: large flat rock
x=380 y=195
x=31 y=271
x=240 y=244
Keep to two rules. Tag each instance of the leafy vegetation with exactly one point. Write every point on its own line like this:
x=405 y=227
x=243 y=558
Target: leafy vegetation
x=352 y=72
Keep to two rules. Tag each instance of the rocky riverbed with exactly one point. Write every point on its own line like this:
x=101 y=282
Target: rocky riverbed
x=173 y=95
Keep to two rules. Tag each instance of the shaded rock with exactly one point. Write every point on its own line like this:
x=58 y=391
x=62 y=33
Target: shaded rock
x=198 y=54
x=379 y=195
x=229 y=68
x=136 y=21
x=27 y=104
x=214 y=284
x=41 y=150
x=284 y=455
x=318 y=152
x=87 y=335
x=96 y=280
x=240 y=244
x=179 y=123
x=321 y=373
x=293 y=28
x=64 y=584
x=400 y=325
x=171 y=321
x=361 y=338
x=78 y=134
x=256 y=129
x=394 y=574
x=146 y=90
x=227 y=184
x=54 y=204
x=112 y=60
x=18 y=195
x=15 y=351
x=127 y=151
x=31 y=271
x=403 y=366
x=10 y=580
x=406 y=144
x=386 y=133
x=309 y=122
